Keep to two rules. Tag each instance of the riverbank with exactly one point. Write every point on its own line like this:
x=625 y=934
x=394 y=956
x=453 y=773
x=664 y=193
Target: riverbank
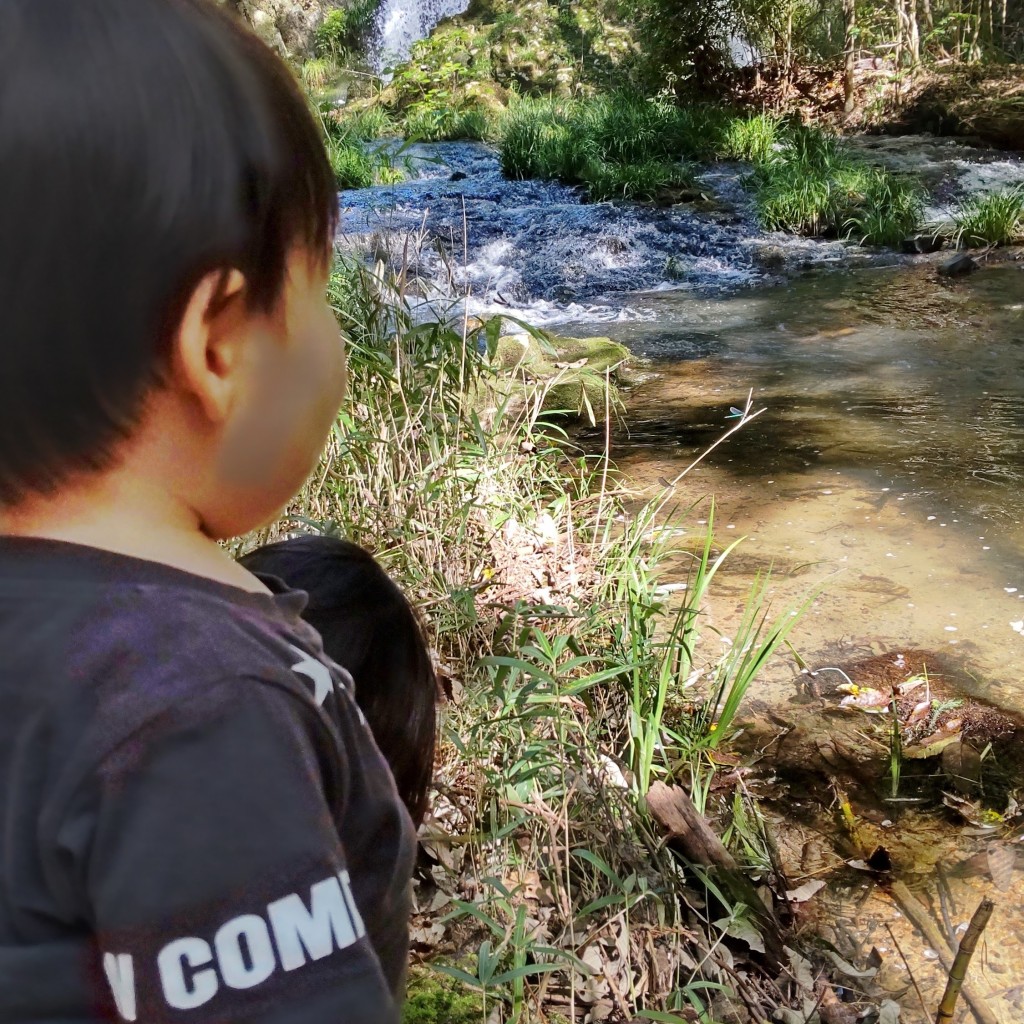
x=551 y=582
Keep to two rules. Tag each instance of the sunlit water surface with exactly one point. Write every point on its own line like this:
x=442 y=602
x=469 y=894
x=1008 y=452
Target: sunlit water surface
x=888 y=463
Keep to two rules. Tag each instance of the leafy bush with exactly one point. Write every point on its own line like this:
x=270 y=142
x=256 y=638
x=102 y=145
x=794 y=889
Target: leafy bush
x=993 y=219
x=344 y=30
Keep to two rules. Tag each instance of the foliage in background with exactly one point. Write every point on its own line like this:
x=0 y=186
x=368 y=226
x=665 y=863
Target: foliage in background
x=345 y=30
x=625 y=146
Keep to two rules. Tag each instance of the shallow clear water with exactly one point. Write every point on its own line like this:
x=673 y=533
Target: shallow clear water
x=889 y=461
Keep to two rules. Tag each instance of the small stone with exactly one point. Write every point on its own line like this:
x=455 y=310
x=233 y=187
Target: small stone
x=958 y=265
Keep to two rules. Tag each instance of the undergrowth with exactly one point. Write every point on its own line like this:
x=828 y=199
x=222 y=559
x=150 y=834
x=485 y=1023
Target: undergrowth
x=625 y=146
x=811 y=185
x=575 y=685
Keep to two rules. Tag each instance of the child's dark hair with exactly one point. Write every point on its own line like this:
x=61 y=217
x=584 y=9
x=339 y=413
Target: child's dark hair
x=369 y=628
x=143 y=145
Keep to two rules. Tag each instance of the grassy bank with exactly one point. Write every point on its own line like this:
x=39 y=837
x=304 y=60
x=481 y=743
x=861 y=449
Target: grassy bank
x=804 y=180
x=574 y=688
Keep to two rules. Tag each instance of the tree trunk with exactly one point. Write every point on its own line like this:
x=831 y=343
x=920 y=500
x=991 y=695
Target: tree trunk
x=849 y=54
x=913 y=33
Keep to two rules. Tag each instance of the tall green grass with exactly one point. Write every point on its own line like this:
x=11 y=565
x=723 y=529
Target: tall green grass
x=619 y=146
x=993 y=219
x=810 y=184
x=562 y=720
x=429 y=123
x=355 y=162
x=625 y=146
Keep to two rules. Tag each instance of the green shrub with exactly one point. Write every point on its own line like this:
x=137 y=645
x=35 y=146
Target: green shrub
x=344 y=29
x=993 y=219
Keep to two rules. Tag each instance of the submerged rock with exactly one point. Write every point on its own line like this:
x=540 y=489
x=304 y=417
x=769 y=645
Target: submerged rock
x=922 y=243
x=577 y=377
x=958 y=265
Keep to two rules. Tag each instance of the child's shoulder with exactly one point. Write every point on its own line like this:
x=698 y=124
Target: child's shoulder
x=126 y=641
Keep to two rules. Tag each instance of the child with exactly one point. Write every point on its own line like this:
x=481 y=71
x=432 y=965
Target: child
x=368 y=626
x=196 y=823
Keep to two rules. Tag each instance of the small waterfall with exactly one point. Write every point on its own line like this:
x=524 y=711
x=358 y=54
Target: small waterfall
x=400 y=23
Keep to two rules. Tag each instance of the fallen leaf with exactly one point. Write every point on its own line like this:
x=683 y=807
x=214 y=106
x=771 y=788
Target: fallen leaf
x=888 y=1012
x=845 y=967
x=740 y=928
x=804 y=892
x=1001 y=860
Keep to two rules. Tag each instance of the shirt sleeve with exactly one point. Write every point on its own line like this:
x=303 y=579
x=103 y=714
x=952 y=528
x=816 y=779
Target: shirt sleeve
x=216 y=874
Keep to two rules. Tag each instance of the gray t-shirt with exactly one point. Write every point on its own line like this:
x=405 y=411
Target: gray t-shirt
x=195 y=823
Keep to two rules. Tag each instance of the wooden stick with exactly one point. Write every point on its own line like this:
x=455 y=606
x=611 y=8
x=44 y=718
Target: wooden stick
x=692 y=836
x=963 y=960
x=909 y=904
x=906 y=963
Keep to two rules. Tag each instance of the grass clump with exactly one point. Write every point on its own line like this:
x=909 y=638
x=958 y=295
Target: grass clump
x=619 y=146
x=812 y=186
x=642 y=181
x=366 y=125
x=754 y=139
x=351 y=164
x=427 y=122
x=993 y=219
x=356 y=163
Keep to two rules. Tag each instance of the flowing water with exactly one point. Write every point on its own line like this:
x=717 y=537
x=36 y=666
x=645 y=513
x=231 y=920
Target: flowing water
x=400 y=23
x=889 y=460
x=887 y=467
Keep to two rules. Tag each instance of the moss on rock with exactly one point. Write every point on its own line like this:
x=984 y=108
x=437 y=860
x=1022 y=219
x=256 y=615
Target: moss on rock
x=577 y=377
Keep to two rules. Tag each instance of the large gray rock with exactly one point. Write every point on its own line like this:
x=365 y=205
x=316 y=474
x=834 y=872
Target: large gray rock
x=957 y=266
x=286 y=25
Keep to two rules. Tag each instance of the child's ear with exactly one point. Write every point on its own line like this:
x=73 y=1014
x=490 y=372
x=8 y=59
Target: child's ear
x=209 y=347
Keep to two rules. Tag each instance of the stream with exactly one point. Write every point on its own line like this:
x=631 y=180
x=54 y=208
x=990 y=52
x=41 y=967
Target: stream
x=886 y=468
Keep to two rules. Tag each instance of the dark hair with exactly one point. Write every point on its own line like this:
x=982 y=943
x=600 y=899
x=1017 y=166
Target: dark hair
x=368 y=627
x=143 y=144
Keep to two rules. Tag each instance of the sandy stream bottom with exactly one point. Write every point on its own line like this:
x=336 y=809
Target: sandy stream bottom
x=901 y=564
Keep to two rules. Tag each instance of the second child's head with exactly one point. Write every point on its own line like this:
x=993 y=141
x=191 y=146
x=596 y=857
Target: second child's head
x=368 y=626
x=167 y=215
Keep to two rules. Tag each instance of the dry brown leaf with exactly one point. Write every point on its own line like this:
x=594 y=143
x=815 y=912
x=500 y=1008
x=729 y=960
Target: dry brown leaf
x=1001 y=859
